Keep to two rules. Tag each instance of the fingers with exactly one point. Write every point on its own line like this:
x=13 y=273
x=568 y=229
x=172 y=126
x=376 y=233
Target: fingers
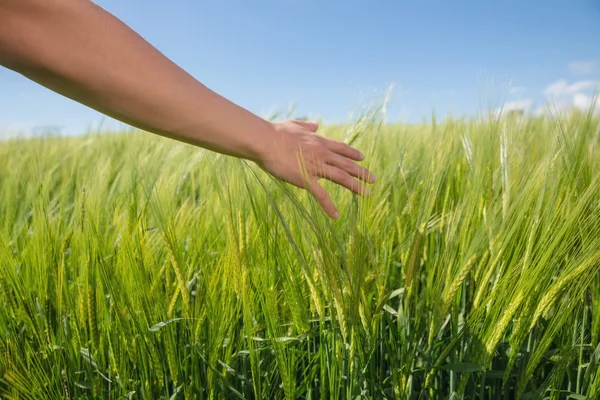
x=353 y=169
x=343 y=178
x=329 y=159
x=309 y=125
x=343 y=149
x=323 y=199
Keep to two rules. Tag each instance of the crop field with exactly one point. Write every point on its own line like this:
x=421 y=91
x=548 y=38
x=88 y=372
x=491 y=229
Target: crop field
x=136 y=267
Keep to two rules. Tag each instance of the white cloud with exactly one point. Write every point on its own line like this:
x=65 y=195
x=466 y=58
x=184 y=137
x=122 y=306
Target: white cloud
x=14 y=129
x=582 y=67
x=541 y=110
x=563 y=96
x=518 y=105
x=562 y=88
x=584 y=102
x=581 y=101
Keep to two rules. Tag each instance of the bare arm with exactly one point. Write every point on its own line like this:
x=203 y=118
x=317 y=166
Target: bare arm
x=79 y=50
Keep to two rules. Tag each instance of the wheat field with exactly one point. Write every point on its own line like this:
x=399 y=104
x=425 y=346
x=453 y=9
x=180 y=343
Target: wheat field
x=133 y=266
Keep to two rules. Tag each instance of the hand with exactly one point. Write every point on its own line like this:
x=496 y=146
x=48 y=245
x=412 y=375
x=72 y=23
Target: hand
x=298 y=155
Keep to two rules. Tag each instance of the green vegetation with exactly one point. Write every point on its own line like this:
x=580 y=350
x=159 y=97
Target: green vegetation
x=132 y=266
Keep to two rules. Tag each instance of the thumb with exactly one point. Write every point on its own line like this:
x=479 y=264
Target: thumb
x=310 y=125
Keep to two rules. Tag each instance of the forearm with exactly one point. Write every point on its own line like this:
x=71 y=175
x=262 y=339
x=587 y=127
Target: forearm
x=79 y=50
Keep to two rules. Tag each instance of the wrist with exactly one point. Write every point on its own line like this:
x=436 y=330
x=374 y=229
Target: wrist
x=260 y=142
x=228 y=128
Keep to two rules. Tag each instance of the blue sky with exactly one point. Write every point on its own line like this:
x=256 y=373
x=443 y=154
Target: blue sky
x=331 y=58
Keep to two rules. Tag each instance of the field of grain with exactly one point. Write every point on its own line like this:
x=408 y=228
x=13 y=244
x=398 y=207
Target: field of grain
x=132 y=266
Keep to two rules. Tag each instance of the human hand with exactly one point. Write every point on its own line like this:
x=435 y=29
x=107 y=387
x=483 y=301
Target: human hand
x=298 y=155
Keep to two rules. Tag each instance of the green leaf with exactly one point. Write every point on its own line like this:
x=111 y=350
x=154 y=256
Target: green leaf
x=174 y=395
x=85 y=353
x=287 y=339
x=161 y=325
x=397 y=292
x=390 y=310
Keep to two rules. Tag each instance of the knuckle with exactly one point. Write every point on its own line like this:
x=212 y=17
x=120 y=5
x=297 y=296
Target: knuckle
x=316 y=149
x=318 y=192
x=346 y=180
x=335 y=145
x=348 y=165
x=364 y=173
x=340 y=175
x=322 y=152
x=359 y=171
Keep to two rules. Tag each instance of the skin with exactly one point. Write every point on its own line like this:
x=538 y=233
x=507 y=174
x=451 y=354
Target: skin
x=81 y=51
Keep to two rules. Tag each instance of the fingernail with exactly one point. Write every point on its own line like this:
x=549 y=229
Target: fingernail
x=336 y=214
